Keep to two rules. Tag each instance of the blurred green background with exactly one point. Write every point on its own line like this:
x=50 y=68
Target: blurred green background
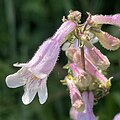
x=24 y=25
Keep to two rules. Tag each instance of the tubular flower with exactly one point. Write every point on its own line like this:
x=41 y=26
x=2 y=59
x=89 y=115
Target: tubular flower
x=33 y=75
x=76 y=99
x=96 y=57
x=107 y=19
x=87 y=114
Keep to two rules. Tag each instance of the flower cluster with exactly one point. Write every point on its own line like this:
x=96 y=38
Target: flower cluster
x=86 y=64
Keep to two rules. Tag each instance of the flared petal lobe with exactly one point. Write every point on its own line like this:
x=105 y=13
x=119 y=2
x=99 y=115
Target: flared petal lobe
x=15 y=80
x=30 y=91
x=42 y=91
x=19 y=78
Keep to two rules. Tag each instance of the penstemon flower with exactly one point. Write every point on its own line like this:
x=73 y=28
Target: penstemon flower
x=87 y=114
x=34 y=73
x=86 y=63
x=96 y=57
x=107 y=41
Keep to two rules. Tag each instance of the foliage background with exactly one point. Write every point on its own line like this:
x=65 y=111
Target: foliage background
x=24 y=25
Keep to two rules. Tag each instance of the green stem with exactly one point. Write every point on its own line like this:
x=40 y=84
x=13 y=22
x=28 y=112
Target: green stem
x=83 y=57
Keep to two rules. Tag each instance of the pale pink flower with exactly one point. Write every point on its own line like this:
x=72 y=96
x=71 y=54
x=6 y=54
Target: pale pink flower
x=92 y=69
x=107 y=19
x=107 y=41
x=96 y=57
x=87 y=114
x=76 y=99
x=33 y=75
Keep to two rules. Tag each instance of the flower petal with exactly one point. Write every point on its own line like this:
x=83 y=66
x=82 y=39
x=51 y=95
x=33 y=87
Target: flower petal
x=16 y=79
x=42 y=91
x=30 y=91
x=108 y=41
